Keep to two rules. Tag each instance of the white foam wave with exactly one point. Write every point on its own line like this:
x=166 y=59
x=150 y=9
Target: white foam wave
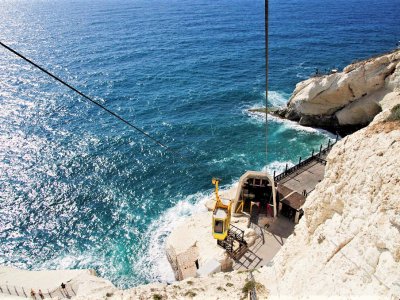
x=235 y=158
x=297 y=126
x=277 y=99
x=153 y=261
x=277 y=167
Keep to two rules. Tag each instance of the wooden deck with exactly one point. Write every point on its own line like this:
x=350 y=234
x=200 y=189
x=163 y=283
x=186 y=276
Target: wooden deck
x=296 y=183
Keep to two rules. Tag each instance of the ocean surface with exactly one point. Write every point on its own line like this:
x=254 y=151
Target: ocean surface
x=78 y=189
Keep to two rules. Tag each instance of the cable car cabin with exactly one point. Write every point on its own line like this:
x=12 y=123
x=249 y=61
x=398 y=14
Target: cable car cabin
x=256 y=190
x=221 y=220
x=221 y=217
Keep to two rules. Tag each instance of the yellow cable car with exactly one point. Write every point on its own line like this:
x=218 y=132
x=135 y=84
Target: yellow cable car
x=221 y=218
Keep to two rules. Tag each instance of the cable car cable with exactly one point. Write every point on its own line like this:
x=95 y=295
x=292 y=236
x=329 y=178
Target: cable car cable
x=266 y=82
x=90 y=99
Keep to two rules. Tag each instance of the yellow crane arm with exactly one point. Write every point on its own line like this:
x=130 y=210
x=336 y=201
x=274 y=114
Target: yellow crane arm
x=219 y=203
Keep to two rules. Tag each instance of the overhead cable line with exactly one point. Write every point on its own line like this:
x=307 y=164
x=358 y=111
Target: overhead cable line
x=90 y=99
x=266 y=82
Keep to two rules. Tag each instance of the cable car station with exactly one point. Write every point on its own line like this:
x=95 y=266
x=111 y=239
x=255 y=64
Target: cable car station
x=272 y=204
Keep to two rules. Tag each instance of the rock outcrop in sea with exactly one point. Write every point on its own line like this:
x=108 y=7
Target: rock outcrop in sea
x=346 y=101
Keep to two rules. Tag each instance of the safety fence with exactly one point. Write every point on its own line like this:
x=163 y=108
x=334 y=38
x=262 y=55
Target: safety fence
x=235 y=234
x=20 y=291
x=314 y=157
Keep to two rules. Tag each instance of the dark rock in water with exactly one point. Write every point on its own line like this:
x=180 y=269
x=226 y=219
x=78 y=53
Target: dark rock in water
x=326 y=122
x=319 y=121
x=270 y=110
x=292 y=114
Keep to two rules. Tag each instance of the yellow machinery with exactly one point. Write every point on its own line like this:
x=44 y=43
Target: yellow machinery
x=221 y=218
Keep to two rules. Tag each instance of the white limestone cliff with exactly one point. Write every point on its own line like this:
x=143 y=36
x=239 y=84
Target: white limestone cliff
x=349 y=98
x=348 y=242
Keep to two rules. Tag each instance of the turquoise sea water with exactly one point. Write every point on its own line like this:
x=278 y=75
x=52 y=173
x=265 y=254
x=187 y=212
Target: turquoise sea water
x=80 y=190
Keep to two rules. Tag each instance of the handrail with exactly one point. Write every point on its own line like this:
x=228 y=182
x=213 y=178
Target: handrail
x=21 y=291
x=313 y=157
x=234 y=234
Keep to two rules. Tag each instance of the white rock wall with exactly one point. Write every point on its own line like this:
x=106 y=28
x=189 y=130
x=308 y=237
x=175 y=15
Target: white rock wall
x=348 y=242
x=354 y=96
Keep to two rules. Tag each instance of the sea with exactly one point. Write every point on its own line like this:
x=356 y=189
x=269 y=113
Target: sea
x=80 y=189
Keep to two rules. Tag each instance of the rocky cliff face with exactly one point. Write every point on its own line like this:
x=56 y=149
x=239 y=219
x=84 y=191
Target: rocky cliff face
x=348 y=242
x=349 y=99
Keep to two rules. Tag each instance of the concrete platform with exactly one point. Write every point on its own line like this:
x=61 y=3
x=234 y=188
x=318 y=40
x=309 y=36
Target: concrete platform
x=265 y=248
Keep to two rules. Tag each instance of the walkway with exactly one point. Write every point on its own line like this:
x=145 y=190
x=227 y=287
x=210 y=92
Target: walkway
x=293 y=187
x=297 y=182
x=270 y=241
x=19 y=283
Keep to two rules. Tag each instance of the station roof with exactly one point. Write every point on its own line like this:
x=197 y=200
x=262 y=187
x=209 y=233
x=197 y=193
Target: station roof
x=220 y=213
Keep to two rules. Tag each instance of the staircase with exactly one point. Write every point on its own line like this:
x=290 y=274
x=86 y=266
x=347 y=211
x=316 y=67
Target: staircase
x=234 y=244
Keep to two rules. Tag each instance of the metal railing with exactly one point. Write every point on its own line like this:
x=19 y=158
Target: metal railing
x=302 y=163
x=237 y=233
x=25 y=292
x=234 y=234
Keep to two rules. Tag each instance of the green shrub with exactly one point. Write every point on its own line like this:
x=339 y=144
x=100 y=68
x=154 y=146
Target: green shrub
x=190 y=294
x=229 y=284
x=157 y=297
x=248 y=286
x=395 y=113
